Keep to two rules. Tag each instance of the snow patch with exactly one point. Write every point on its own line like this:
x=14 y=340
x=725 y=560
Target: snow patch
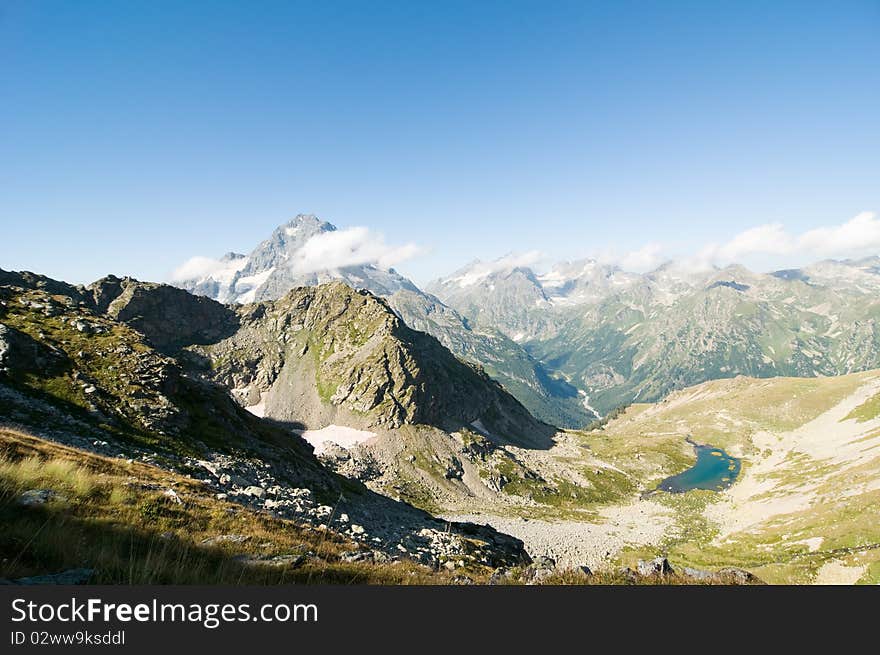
x=259 y=409
x=249 y=285
x=338 y=434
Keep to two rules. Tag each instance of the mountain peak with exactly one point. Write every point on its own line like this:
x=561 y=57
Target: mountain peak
x=308 y=222
x=271 y=269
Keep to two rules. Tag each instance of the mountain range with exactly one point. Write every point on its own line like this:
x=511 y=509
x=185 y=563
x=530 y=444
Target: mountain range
x=586 y=338
x=270 y=270
x=620 y=337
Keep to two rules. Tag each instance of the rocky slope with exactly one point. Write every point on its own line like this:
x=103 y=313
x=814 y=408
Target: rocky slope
x=272 y=269
x=98 y=368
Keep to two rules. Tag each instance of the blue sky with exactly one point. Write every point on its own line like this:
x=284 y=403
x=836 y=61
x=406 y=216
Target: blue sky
x=137 y=134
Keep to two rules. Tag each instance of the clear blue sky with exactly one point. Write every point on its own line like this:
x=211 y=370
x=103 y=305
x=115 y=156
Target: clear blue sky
x=137 y=134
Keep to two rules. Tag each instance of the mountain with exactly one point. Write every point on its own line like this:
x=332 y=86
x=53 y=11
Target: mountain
x=329 y=354
x=545 y=394
x=619 y=337
x=275 y=267
x=509 y=298
x=135 y=371
x=270 y=270
x=323 y=411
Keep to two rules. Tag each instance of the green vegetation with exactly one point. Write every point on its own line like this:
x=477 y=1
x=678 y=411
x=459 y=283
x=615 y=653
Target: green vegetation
x=866 y=411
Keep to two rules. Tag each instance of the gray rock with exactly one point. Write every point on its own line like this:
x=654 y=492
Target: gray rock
x=741 y=576
x=225 y=539
x=698 y=574
x=656 y=566
x=454 y=469
x=37 y=497
x=254 y=491
x=356 y=556
x=543 y=567
x=500 y=576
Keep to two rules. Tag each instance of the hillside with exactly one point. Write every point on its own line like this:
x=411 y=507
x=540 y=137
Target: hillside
x=72 y=374
x=324 y=408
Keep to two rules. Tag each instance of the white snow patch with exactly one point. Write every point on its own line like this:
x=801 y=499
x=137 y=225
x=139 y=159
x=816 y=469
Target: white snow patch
x=338 y=434
x=248 y=285
x=259 y=409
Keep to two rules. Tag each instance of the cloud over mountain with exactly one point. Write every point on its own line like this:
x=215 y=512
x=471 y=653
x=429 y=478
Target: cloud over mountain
x=350 y=247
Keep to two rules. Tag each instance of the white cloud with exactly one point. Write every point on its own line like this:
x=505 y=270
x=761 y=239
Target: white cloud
x=770 y=242
x=646 y=258
x=196 y=268
x=349 y=247
x=480 y=270
x=860 y=234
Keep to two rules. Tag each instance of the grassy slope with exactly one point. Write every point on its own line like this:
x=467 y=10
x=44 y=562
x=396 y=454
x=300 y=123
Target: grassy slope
x=117 y=521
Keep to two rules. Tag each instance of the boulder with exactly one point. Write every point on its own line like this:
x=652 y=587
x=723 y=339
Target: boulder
x=698 y=574
x=254 y=491
x=543 y=567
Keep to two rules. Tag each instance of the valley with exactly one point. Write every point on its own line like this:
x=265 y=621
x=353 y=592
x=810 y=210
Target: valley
x=805 y=509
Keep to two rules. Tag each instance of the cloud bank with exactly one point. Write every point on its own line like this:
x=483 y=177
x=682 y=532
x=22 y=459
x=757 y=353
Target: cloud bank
x=859 y=235
x=856 y=237
x=196 y=268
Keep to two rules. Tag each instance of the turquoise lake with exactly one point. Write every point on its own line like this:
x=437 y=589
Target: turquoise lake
x=714 y=470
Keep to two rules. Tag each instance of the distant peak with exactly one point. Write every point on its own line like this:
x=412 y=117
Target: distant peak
x=307 y=220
